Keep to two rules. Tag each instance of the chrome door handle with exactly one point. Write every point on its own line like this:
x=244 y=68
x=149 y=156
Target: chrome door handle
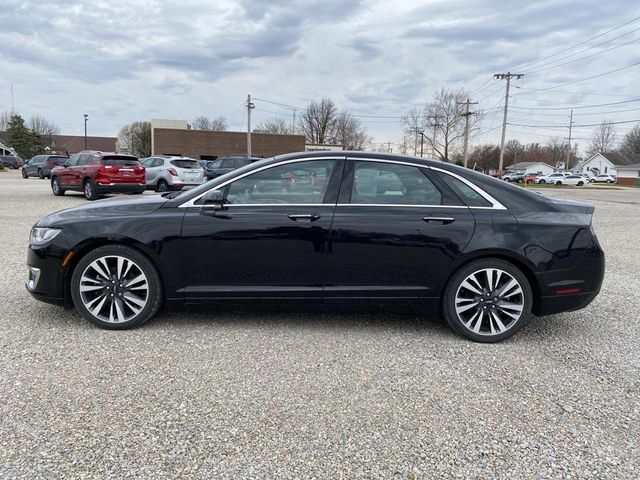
x=306 y=217
x=442 y=220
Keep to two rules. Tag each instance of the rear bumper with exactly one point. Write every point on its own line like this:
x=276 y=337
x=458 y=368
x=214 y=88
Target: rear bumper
x=121 y=187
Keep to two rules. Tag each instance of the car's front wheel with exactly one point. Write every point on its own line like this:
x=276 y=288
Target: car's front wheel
x=542 y=182
x=56 y=188
x=487 y=300
x=116 y=287
x=558 y=182
x=580 y=184
x=24 y=173
x=40 y=174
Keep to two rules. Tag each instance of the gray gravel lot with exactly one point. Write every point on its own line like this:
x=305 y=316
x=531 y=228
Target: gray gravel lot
x=264 y=395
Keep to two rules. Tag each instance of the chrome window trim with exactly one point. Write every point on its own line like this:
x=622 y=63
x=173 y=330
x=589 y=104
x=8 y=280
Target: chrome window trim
x=496 y=205
x=191 y=203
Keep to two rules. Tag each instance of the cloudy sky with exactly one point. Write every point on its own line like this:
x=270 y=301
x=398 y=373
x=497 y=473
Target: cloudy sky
x=121 y=61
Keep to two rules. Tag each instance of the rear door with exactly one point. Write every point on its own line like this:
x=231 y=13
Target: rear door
x=395 y=232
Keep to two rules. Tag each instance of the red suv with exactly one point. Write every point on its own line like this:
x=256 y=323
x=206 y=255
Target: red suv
x=96 y=173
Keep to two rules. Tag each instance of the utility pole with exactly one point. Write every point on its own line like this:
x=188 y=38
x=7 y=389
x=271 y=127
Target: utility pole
x=250 y=106
x=566 y=163
x=435 y=126
x=293 y=124
x=466 y=116
x=421 y=133
x=12 y=105
x=505 y=76
x=389 y=147
x=86 y=117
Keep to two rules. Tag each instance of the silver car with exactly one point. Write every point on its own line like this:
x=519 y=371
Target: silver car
x=166 y=172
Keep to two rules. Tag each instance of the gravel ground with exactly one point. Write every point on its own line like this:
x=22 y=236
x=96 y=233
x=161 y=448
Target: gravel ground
x=264 y=395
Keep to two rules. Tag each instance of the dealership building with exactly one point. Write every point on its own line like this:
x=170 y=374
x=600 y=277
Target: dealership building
x=175 y=137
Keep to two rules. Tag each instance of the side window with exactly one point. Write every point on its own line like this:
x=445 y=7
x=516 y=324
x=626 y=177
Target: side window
x=73 y=161
x=83 y=160
x=228 y=163
x=298 y=182
x=464 y=191
x=392 y=184
x=149 y=162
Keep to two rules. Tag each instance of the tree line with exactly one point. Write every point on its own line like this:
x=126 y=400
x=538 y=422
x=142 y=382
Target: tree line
x=27 y=138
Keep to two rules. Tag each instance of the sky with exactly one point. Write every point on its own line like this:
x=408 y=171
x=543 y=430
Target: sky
x=120 y=61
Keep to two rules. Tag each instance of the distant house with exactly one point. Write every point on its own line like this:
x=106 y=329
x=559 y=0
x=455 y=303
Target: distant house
x=532 y=167
x=604 y=162
x=629 y=174
x=71 y=144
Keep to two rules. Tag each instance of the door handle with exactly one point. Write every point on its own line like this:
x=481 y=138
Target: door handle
x=306 y=217
x=441 y=220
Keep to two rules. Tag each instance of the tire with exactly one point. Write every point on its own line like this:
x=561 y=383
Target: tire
x=40 y=174
x=475 y=323
x=162 y=186
x=13 y=166
x=105 y=302
x=24 y=173
x=57 y=190
x=609 y=181
x=542 y=182
x=558 y=182
x=90 y=189
x=592 y=181
x=580 y=184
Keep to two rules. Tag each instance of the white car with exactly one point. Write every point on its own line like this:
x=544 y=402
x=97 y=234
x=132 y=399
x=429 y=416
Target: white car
x=577 y=180
x=553 y=178
x=164 y=172
x=603 y=178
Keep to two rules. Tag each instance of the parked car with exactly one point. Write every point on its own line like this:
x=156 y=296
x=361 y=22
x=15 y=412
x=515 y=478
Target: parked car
x=11 y=161
x=483 y=252
x=41 y=165
x=223 y=165
x=531 y=177
x=553 y=178
x=165 y=172
x=577 y=180
x=96 y=173
x=515 y=177
x=603 y=178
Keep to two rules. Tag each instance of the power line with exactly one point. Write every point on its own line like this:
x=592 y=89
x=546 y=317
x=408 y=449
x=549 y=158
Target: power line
x=579 y=106
x=564 y=126
x=577 y=44
x=539 y=67
x=590 y=78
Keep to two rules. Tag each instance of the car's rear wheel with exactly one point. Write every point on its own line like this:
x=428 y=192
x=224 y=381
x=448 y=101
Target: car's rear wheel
x=90 y=190
x=487 y=300
x=24 y=173
x=40 y=174
x=609 y=181
x=116 y=287
x=558 y=182
x=592 y=181
x=162 y=186
x=542 y=182
x=56 y=188
x=580 y=184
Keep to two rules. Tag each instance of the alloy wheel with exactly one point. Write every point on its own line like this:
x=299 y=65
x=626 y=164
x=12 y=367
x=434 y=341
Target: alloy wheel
x=55 y=185
x=114 y=289
x=87 y=190
x=489 y=301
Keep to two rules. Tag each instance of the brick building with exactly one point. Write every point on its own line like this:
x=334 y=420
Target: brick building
x=173 y=137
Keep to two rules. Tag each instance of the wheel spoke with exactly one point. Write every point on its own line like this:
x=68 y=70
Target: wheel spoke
x=464 y=308
x=96 y=310
x=499 y=324
x=138 y=279
x=470 y=287
x=490 y=272
x=90 y=288
x=98 y=268
x=132 y=299
x=511 y=306
x=119 y=310
x=476 y=328
x=119 y=264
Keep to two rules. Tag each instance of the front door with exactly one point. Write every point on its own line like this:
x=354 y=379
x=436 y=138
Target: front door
x=270 y=239
x=395 y=232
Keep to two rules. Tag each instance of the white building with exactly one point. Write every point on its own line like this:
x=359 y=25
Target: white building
x=629 y=174
x=532 y=167
x=607 y=162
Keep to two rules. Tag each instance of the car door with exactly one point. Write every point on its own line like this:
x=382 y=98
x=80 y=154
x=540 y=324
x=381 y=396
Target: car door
x=268 y=242
x=151 y=170
x=66 y=173
x=396 y=231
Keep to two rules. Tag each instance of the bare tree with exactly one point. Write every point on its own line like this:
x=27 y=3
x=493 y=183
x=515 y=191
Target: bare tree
x=603 y=139
x=276 y=126
x=5 y=118
x=218 y=124
x=43 y=127
x=350 y=133
x=441 y=123
x=631 y=143
x=318 y=121
x=136 y=138
x=485 y=157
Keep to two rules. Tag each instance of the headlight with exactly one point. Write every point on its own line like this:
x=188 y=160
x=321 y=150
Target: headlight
x=42 y=235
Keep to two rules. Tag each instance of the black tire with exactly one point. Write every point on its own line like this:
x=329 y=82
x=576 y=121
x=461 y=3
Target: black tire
x=592 y=181
x=24 y=173
x=542 y=182
x=454 y=284
x=90 y=190
x=580 y=184
x=57 y=190
x=162 y=186
x=154 y=295
x=558 y=182
x=13 y=166
x=609 y=181
x=40 y=174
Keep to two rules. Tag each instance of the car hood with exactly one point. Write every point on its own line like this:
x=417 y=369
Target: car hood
x=110 y=207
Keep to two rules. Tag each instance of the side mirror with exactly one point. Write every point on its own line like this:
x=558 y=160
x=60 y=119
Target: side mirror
x=66 y=164
x=211 y=201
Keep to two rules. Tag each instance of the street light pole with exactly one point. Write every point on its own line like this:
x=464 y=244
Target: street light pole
x=86 y=117
x=421 y=142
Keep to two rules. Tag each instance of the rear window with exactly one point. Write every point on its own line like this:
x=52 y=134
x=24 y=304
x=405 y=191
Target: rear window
x=119 y=160
x=471 y=197
x=185 y=163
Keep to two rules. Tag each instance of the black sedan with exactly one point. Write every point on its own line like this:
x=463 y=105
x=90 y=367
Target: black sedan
x=482 y=252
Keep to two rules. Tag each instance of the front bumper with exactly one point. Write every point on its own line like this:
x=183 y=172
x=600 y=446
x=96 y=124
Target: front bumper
x=49 y=286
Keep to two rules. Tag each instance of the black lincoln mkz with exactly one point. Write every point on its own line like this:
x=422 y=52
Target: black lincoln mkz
x=327 y=229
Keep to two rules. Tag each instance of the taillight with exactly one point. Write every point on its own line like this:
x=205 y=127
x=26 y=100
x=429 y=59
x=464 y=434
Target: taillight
x=172 y=172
